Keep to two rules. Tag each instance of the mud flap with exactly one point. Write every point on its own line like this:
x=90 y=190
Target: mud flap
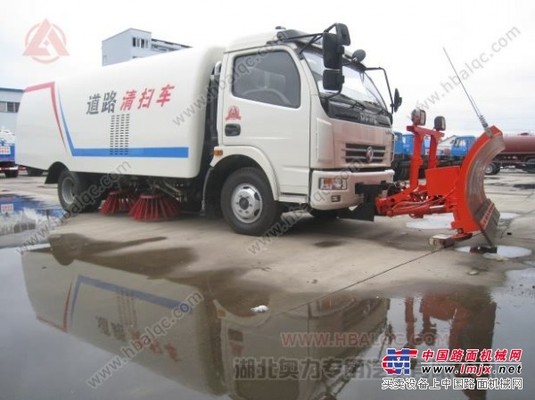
x=473 y=210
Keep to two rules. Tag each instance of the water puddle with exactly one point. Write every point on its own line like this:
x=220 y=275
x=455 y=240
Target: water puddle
x=439 y=221
x=443 y=221
x=500 y=253
x=239 y=342
x=506 y=216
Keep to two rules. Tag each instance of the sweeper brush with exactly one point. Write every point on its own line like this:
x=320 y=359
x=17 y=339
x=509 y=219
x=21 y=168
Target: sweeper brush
x=155 y=207
x=118 y=201
x=454 y=189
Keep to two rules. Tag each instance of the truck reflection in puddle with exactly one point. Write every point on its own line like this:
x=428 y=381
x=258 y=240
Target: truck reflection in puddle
x=103 y=295
x=24 y=213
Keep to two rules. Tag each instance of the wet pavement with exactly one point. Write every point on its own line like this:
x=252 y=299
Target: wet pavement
x=89 y=314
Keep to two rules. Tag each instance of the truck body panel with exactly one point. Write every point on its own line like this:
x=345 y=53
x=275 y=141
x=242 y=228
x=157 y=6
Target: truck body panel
x=149 y=112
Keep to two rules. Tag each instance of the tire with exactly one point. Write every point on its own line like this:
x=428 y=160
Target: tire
x=247 y=202
x=34 y=171
x=73 y=195
x=11 y=174
x=492 y=169
x=324 y=214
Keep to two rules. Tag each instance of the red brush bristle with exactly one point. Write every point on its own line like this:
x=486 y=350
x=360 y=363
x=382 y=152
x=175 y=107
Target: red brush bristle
x=118 y=201
x=155 y=207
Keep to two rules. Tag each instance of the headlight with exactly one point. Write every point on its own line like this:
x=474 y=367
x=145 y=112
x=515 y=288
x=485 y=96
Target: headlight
x=333 y=184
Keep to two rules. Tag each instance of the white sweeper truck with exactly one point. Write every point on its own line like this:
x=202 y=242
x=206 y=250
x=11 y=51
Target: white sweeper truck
x=272 y=122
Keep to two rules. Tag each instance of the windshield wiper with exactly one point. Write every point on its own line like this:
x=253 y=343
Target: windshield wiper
x=362 y=104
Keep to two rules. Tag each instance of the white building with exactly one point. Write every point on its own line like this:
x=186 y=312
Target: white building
x=134 y=43
x=9 y=107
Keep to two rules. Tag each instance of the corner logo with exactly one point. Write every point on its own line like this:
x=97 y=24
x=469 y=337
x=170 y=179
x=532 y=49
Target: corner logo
x=45 y=43
x=398 y=362
x=233 y=113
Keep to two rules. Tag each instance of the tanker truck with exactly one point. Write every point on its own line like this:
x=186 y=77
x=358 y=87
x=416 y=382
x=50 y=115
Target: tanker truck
x=519 y=153
x=273 y=122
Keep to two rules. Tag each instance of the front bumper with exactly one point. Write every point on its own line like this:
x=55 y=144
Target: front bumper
x=336 y=199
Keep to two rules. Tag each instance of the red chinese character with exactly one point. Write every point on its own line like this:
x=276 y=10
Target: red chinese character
x=456 y=355
x=442 y=355
x=136 y=336
x=165 y=94
x=515 y=355
x=485 y=355
x=128 y=99
x=500 y=355
x=171 y=350
x=427 y=354
x=146 y=98
x=155 y=346
x=471 y=355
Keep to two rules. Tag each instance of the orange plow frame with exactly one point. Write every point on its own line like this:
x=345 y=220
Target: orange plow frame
x=456 y=189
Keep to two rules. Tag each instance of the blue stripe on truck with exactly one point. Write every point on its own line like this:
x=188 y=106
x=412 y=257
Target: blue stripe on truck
x=161 y=152
x=156 y=152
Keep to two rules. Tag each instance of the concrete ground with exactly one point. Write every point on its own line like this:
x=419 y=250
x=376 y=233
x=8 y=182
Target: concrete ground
x=381 y=264
x=314 y=256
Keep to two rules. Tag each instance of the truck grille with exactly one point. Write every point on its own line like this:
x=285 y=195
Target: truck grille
x=119 y=134
x=363 y=153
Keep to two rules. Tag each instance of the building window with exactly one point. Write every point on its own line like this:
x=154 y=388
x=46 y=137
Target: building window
x=139 y=42
x=9 y=106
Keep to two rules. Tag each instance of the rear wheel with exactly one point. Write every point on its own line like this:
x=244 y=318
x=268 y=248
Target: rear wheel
x=492 y=169
x=73 y=193
x=530 y=166
x=247 y=202
x=12 y=174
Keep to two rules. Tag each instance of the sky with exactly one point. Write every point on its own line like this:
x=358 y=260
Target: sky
x=490 y=42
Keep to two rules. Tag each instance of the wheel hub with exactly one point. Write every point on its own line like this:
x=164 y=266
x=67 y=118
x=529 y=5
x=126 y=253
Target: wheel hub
x=247 y=203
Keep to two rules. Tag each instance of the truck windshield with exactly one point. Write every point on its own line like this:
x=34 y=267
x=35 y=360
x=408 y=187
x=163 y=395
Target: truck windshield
x=357 y=86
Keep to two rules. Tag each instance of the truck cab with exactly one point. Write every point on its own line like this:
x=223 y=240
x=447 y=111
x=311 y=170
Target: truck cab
x=460 y=146
x=320 y=146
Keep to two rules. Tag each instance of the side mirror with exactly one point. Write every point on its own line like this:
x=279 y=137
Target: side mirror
x=342 y=34
x=418 y=117
x=397 y=100
x=332 y=51
x=333 y=80
x=440 y=124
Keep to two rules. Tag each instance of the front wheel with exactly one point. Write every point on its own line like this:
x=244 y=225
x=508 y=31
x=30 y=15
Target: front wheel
x=247 y=202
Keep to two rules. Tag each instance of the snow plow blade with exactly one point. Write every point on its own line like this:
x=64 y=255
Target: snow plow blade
x=474 y=211
x=454 y=189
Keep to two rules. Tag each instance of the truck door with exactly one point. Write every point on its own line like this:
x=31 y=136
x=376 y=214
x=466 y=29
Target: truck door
x=267 y=107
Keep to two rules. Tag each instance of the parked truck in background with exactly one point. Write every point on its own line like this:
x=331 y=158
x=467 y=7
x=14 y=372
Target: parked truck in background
x=7 y=154
x=403 y=148
x=519 y=153
x=271 y=122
